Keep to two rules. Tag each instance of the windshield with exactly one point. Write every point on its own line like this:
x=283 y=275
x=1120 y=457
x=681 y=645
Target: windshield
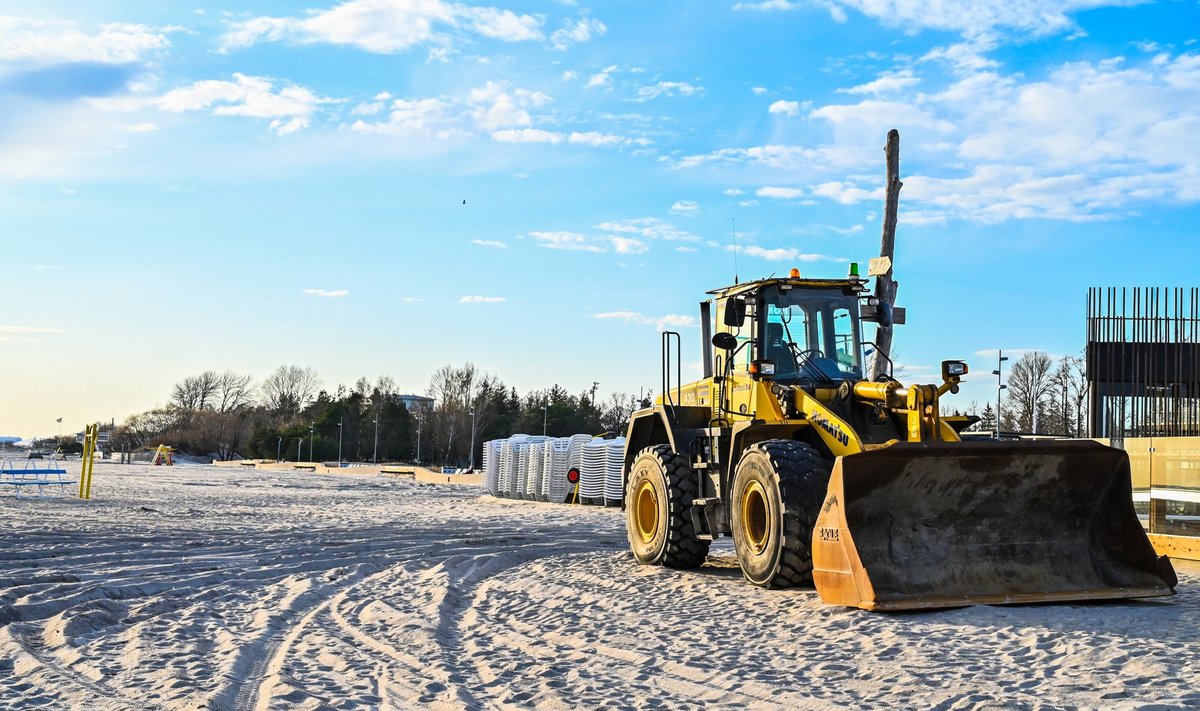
x=812 y=333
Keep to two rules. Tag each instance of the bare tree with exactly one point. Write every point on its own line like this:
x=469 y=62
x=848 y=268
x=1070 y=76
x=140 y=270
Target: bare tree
x=614 y=414
x=289 y=389
x=235 y=392
x=457 y=392
x=1071 y=391
x=1029 y=381
x=195 y=392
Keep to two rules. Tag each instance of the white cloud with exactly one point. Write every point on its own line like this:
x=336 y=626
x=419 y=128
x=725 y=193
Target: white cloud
x=602 y=78
x=767 y=5
x=385 y=26
x=141 y=127
x=489 y=243
x=290 y=105
x=1089 y=140
x=734 y=191
x=968 y=17
x=581 y=30
x=886 y=84
x=758 y=90
x=662 y=323
x=527 y=135
x=30 y=329
x=648 y=228
x=335 y=294
x=846 y=193
x=503 y=25
x=495 y=107
x=432 y=118
x=49 y=41
x=782 y=254
x=681 y=248
x=481 y=300
x=565 y=240
x=593 y=138
x=668 y=88
x=787 y=108
x=977 y=17
x=780 y=193
x=685 y=207
x=625 y=245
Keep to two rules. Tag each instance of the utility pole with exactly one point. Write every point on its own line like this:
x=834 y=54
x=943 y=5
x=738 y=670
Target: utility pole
x=1000 y=386
x=594 y=386
x=340 y=441
x=375 y=454
x=885 y=285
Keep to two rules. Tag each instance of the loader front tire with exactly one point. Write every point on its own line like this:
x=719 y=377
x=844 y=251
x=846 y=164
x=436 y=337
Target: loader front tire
x=778 y=490
x=658 y=502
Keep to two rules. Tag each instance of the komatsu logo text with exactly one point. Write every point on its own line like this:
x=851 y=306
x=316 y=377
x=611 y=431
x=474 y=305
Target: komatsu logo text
x=833 y=430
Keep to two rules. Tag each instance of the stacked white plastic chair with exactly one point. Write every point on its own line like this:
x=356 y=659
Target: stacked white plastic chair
x=591 y=473
x=521 y=454
x=533 y=481
x=614 y=465
x=525 y=456
x=491 y=465
x=554 y=447
x=509 y=462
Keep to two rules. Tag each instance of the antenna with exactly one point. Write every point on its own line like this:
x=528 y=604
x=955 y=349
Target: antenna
x=733 y=226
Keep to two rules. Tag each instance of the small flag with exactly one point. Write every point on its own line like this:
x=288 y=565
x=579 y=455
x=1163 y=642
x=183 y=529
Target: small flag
x=60 y=420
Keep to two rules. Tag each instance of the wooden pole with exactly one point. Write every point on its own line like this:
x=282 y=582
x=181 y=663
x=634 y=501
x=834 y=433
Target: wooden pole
x=885 y=285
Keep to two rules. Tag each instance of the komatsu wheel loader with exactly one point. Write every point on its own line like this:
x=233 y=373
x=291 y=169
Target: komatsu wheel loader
x=860 y=486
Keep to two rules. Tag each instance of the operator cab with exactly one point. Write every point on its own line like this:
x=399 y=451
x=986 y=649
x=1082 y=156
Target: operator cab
x=810 y=334
x=808 y=329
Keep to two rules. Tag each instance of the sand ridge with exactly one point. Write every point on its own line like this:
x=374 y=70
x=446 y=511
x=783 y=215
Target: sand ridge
x=199 y=587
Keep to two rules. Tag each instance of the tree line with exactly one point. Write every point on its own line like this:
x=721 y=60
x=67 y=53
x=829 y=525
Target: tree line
x=1042 y=396
x=290 y=416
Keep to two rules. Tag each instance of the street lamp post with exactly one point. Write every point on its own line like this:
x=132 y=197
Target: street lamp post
x=339 y=441
x=278 y=447
x=300 y=449
x=375 y=454
x=545 y=413
x=472 y=467
x=312 y=439
x=419 y=421
x=1000 y=387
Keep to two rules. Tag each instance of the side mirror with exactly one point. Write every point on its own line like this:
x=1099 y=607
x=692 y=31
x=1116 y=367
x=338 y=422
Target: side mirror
x=725 y=341
x=735 y=311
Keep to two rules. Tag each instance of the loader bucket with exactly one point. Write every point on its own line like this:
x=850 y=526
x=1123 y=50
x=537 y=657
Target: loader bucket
x=952 y=524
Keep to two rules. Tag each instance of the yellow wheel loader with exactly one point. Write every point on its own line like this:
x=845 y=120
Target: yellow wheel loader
x=823 y=476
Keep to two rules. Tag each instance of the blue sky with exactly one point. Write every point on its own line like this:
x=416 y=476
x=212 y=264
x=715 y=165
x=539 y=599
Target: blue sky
x=238 y=186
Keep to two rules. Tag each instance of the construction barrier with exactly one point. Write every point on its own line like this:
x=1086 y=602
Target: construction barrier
x=1166 y=491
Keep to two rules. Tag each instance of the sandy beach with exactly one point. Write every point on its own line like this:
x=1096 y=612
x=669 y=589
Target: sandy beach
x=193 y=587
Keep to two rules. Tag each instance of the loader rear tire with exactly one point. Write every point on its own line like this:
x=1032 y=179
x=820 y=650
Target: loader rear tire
x=658 y=503
x=778 y=490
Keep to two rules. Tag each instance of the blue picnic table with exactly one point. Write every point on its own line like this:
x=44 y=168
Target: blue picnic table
x=32 y=475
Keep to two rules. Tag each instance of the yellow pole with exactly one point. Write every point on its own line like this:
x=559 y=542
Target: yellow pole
x=87 y=436
x=90 y=434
